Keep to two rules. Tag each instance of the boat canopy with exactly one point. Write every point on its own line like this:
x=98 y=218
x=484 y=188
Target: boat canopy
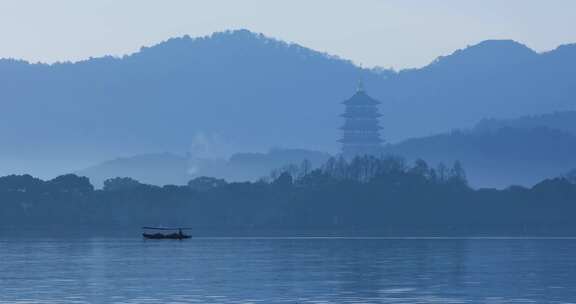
x=166 y=228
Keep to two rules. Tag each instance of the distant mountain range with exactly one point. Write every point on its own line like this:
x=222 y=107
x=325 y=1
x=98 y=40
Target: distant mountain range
x=502 y=152
x=495 y=153
x=562 y=121
x=494 y=79
x=498 y=158
x=167 y=168
x=156 y=169
x=254 y=92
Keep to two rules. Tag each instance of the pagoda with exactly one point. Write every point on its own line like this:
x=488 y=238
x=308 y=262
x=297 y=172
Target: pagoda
x=361 y=129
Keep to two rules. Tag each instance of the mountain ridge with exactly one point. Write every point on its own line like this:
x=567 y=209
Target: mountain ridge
x=254 y=92
x=184 y=41
x=246 y=33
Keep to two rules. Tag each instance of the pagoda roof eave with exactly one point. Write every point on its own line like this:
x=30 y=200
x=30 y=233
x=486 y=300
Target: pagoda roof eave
x=354 y=103
x=347 y=128
x=363 y=116
x=361 y=98
x=360 y=142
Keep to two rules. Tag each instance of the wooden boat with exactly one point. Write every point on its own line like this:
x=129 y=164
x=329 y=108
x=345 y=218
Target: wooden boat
x=169 y=234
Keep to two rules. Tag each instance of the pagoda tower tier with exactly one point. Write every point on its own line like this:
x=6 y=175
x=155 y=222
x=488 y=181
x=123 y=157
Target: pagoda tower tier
x=361 y=128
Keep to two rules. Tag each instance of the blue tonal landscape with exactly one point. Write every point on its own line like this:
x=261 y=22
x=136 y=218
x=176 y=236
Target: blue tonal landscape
x=306 y=152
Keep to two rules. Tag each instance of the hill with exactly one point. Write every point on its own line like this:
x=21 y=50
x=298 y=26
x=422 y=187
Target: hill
x=561 y=120
x=492 y=158
x=244 y=87
x=156 y=169
x=165 y=168
x=255 y=92
x=500 y=157
x=493 y=79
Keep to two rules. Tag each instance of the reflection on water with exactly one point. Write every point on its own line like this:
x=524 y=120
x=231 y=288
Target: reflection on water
x=206 y=270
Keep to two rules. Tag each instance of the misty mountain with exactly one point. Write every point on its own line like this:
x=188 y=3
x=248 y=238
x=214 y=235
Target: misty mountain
x=166 y=168
x=156 y=169
x=254 y=166
x=499 y=157
x=564 y=121
x=496 y=157
x=497 y=79
x=252 y=93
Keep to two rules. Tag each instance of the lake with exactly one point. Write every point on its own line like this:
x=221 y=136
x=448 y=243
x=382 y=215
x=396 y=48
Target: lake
x=288 y=270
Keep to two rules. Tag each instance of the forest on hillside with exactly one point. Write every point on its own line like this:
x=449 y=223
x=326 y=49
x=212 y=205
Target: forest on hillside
x=369 y=196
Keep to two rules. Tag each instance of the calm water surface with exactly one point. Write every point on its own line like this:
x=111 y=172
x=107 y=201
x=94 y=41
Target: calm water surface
x=204 y=270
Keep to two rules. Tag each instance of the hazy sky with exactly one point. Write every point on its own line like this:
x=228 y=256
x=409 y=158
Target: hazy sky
x=401 y=33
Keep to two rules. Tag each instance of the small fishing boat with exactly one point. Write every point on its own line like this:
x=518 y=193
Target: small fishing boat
x=162 y=233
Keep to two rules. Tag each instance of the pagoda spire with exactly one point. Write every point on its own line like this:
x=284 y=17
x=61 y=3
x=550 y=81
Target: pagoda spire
x=361 y=129
x=360 y=87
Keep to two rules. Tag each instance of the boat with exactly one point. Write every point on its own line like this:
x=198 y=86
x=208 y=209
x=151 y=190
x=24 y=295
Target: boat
x=163 y=233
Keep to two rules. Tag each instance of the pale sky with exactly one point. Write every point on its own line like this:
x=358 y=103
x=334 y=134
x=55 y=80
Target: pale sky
x=399 y=34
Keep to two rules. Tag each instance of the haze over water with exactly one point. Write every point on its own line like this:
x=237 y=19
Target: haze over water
x=206 y=270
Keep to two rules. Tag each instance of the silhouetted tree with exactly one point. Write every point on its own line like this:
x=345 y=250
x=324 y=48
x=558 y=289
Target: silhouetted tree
x=71 y=183
x=363 y=196
x=205 y=183
x=120 y=184
x=21 y=183
x=458 y=175
x=420 y=168
x=284 y=180
x=443 y=173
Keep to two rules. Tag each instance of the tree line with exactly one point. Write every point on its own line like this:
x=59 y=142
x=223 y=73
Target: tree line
x=370 y=196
